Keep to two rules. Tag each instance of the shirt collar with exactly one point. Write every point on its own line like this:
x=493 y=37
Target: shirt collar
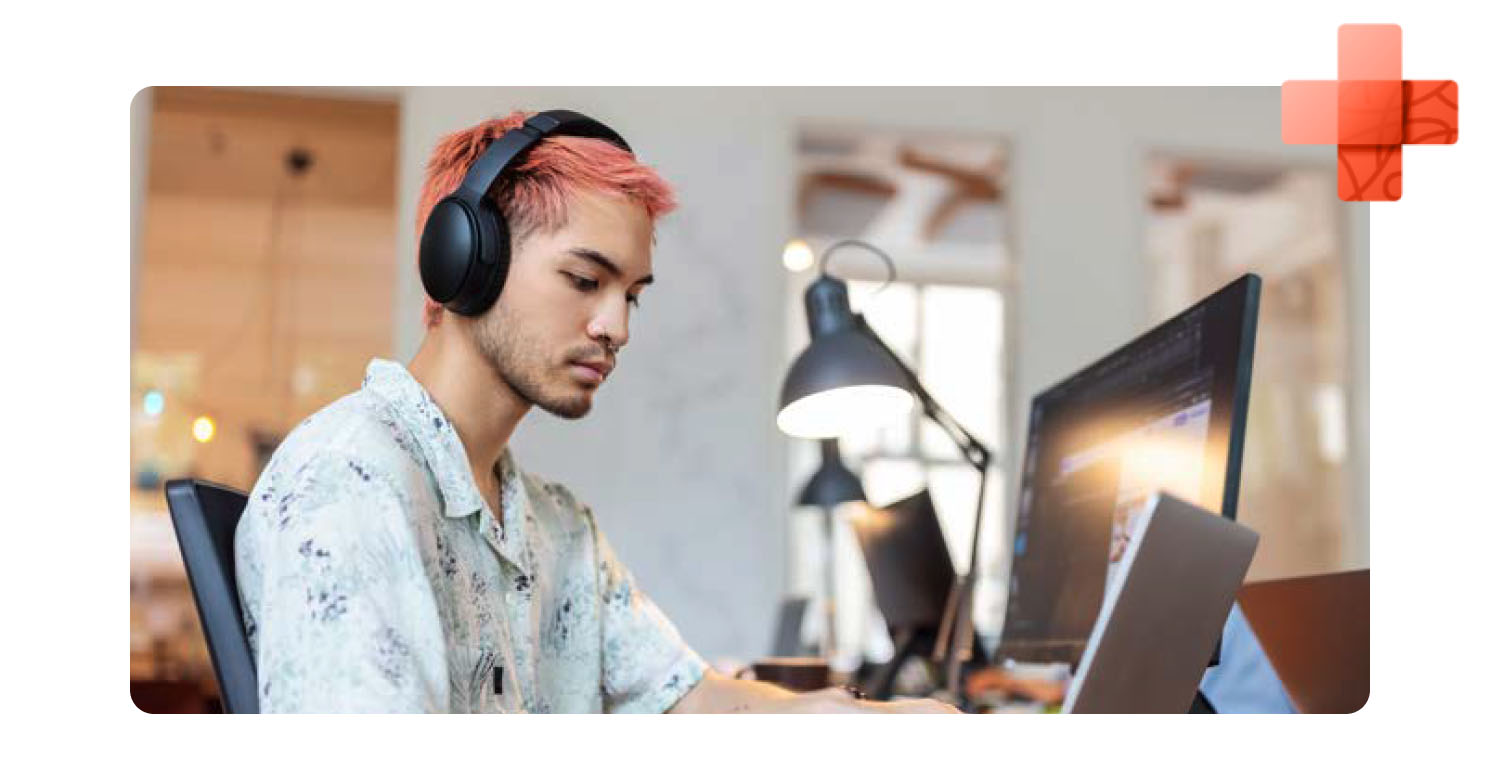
x=515 y=505
x=447 y=460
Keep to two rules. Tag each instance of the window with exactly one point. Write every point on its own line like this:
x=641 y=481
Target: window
x=1211 y=220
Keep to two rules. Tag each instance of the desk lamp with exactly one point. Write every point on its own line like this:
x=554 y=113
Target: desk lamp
x=848 y=378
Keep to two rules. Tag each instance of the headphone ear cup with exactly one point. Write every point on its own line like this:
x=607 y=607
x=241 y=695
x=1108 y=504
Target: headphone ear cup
x=494 y=260
x=464 y=255
x=449 y=249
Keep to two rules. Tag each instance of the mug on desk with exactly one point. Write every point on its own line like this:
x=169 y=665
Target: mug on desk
x=795 y=673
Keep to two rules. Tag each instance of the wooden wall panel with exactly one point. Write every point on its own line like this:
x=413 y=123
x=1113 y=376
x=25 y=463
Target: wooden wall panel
x=273 y=288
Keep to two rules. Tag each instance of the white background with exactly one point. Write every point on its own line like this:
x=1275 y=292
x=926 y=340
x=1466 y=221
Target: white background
x=71 y=73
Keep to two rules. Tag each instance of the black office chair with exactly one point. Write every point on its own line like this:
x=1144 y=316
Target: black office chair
x=204 y=515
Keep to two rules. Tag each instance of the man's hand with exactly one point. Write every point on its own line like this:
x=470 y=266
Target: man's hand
x=1034 y=689
x=720 y=694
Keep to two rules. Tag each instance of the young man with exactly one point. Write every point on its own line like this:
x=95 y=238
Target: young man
x=394 y=558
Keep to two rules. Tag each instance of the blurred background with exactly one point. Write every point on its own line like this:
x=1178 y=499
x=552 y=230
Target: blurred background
x=1033 y=230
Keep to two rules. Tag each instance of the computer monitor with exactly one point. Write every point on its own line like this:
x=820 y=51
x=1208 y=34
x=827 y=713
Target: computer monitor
x=788 y=639
x=1165 y=412
x=912 y=576
x=911 y=572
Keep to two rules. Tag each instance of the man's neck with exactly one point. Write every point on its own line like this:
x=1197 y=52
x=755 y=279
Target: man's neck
x=482 y=407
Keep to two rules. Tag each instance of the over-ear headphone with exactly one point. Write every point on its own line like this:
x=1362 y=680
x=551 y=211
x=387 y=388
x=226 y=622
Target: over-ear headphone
x=465 y=248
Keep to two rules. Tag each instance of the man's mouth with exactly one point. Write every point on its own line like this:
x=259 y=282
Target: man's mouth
x=592 y=372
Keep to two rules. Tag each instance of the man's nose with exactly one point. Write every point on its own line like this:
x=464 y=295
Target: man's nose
x=612 y=325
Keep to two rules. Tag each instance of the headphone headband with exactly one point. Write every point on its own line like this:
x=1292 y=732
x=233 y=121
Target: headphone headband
x=502 y=152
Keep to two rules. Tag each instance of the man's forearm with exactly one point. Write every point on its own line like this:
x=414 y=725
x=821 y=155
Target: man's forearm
x=716 y=693
x=720 y=694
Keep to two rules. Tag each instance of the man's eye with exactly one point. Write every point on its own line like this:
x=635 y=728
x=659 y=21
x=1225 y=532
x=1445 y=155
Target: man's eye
x=583 y=283
x=635 y=301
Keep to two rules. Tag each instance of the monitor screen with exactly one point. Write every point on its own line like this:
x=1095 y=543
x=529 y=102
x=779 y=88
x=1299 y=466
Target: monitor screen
x=910 y=570
x=1165 y=412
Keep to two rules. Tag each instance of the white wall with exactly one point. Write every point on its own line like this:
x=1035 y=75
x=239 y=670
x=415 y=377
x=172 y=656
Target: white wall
x=681 y=458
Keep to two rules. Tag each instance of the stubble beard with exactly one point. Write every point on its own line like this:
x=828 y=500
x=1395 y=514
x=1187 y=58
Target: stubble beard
x=519 y=362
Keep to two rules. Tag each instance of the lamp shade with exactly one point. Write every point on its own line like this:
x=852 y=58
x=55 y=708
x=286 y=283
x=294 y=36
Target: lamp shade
x=833 y=484
x=844 y=379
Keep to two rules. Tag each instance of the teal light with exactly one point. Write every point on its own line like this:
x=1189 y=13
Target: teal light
x=154 y=403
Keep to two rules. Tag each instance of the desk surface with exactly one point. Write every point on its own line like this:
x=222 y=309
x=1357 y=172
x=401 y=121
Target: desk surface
x=1316 y=632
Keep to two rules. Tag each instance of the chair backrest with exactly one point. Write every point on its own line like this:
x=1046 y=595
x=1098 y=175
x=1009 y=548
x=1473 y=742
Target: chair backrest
x=1316 y=632
x=205 y=515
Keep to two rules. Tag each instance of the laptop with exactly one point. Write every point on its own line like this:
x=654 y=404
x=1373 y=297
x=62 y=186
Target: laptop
x=1163 y=611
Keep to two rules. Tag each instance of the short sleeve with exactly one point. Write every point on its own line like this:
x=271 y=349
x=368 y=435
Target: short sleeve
x=647 y=665
x=339 y=613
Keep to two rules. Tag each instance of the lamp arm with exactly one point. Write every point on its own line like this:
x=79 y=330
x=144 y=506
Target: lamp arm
x=975 y=452
x=959 y=624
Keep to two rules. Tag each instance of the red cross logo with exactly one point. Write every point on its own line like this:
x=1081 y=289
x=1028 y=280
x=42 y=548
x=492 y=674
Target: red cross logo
x=1369 y=112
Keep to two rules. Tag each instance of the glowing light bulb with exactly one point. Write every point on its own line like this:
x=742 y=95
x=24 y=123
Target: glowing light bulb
x=797 y=256
x=203 y=429
x=840 y=411
x=154 y=403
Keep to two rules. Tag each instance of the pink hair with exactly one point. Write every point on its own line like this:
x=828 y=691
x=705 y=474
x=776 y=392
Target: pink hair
x=534 y=194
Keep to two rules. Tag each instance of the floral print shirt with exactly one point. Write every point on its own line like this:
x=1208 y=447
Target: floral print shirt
x=374 y=578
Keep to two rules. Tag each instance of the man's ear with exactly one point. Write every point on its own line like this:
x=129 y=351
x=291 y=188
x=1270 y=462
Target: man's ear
x=432 y=314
